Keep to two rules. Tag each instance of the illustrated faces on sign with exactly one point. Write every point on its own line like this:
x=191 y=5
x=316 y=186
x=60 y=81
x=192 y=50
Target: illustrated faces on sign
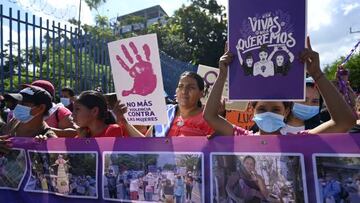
x=280 y=60
x=249 y=61
x=263 y=55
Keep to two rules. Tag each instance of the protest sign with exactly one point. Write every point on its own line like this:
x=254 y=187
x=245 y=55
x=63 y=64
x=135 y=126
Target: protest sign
x=273 y=177
x=337 y=177
x=266 y=40
x=242 y=119
x=209 y=74
x=12 y=169
x=296 y=163
x=135 y=65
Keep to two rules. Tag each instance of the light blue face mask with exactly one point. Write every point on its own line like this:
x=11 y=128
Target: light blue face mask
x=269 y=122
x=22 y=113
x=304 y=112
x=65 y=101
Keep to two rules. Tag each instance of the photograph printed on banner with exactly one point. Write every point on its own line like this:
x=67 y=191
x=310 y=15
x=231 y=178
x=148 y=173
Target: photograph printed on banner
x=71 y=174
x=153 y=177
x=337 y=177
x=12 y=169
x=257 y=177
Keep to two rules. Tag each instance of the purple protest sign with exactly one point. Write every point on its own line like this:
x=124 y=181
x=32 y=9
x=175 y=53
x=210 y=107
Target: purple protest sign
x=266 y=38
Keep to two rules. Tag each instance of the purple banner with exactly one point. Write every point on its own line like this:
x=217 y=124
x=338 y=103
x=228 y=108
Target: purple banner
x=266 y=38
x=294 y=168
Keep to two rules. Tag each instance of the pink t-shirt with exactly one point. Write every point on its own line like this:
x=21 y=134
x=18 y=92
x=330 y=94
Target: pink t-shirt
x=61 y=113
x=238 y=131
x=193 y=126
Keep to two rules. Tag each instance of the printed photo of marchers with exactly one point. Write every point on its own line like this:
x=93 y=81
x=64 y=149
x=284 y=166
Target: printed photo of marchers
x=257 y=177
x=71 y=174
x=12 y=169
x=153 y=177
x=337 y=177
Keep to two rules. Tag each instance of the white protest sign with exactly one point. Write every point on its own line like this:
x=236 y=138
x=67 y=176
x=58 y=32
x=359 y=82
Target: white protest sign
x=135 y=65
x=209 y=74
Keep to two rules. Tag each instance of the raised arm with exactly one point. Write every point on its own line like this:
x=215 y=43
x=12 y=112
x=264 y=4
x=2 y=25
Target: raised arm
x=239 y=54
x=218 y=123
x=342 y=117
x=291 y=55
x=276 y=48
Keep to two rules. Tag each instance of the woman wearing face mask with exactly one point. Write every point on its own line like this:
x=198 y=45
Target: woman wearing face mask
x=186 y=118
x=269 y=116
x=68 y=98
x=29 y=114
x=304 y=115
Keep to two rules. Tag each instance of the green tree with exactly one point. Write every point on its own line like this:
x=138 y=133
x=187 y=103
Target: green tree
x=196 y=33
x=169 y=167
x=189 y=161
x=94 y=4
x=353 y=65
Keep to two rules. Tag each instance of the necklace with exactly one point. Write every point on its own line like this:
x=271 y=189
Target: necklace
x=180 y=123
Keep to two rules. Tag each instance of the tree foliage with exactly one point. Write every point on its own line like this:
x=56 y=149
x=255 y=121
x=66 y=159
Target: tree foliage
x=196 y=33
x=353 y=65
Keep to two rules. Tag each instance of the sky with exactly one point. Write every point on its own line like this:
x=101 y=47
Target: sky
x=328 y=20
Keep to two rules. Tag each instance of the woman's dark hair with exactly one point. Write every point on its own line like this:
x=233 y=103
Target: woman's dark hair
x=263 y=48
x=68 y=90
x=248 y=55
x=249 y=157
x=287 y=105
x=199 y=81
x=92 y=99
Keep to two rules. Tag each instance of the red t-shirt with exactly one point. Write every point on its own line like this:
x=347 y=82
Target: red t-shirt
x=193 y=126
x=113 y=130
x=60 y=113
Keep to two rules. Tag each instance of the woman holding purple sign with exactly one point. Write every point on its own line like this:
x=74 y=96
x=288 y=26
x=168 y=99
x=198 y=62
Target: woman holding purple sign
x=269 y=116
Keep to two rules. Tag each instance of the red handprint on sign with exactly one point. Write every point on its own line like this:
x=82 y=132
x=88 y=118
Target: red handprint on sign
x=141 y=71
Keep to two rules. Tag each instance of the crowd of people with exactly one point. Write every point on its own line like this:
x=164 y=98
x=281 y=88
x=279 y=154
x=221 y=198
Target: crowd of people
x=165 y=186
x=57 y=178
x=33 y=112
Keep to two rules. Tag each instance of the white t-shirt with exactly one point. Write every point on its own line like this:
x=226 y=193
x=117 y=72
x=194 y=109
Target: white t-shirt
x=134 y=185
x=288 y=129
x=264 y=68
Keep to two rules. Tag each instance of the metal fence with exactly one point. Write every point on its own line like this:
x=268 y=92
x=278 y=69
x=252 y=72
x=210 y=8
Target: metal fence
x=33 y=48
x=40 y=49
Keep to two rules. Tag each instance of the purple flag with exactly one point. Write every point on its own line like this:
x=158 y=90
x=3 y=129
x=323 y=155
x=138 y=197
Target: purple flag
x=266 y=38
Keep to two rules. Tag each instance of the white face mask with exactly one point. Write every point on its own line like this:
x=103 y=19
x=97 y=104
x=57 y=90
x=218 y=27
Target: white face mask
x=65 y=101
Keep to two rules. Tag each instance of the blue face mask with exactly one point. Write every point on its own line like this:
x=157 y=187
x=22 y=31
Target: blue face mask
x=22 y=113
x=304 y=112
x=65 y=101
x=269 y=122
